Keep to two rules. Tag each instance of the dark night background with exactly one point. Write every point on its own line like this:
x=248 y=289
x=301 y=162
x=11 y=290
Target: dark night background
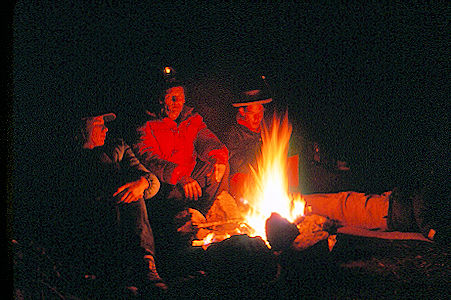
x=369 y=82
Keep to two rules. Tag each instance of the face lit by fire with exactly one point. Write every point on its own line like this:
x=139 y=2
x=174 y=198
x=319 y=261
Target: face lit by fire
x=174 y=100
x=95 y=132
x=253 y=116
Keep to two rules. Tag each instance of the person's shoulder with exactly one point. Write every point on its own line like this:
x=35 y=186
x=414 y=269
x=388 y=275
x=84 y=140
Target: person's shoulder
x=237 y=129
x=233 y=133
x=189 y=112
x=151 y=120
x=114 y=143
x=150 y=116
x=191 y=115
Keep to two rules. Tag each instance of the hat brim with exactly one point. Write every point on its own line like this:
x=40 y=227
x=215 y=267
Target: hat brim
x=264 y=101
x=109 y=117
x=106 y=117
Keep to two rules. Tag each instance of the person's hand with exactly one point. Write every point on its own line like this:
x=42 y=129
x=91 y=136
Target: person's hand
x=218 y=172
x=132 y=191
x=192 y=190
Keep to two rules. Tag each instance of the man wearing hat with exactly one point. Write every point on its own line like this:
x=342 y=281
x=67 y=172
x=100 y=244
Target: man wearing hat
x=109 y=230
x=243 y=139
x=403 y=209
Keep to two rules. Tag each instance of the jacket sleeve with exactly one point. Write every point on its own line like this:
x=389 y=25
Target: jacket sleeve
x=154 y=186
x=243 y=151
x=128 y=160
x=236 y=154
x=210 y=148
x=149 y=154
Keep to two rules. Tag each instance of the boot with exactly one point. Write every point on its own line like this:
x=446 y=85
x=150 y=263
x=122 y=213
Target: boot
x=156 y=283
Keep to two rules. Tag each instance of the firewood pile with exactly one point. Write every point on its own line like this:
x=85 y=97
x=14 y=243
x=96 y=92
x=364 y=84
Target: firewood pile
x=281 y=234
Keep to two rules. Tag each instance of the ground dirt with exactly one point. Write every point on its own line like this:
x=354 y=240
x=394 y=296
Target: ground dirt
x=357 y=268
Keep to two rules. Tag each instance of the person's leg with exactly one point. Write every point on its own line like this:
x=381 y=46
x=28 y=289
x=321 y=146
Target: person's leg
x=174 y=199
x=328 y=205
x=137 y=243
x=351 y=208
x=203 y=174
x=168 y=212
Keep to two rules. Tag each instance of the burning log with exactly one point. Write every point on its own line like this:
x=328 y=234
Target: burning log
x=280 y=232
x=283 y=235
x=313 y=229
x=213 y=232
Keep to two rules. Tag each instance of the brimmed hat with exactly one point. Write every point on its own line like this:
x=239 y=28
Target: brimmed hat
x=108 y=117
x=250 y=97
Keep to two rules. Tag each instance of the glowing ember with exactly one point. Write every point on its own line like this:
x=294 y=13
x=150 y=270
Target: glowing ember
x=268 y=190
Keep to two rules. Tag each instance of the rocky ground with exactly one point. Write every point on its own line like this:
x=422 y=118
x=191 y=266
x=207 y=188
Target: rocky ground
x=363 y=268
x=357 y=268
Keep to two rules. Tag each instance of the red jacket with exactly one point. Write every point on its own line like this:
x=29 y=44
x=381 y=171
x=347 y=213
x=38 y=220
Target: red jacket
x=170 y=150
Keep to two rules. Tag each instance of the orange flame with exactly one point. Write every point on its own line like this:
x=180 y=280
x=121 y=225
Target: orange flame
x=267 y=187
x=268 y=190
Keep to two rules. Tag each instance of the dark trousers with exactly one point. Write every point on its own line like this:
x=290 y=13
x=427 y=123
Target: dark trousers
x=168 y=210
x=133 y=222
x=135 y=237
x=172 y=197
x=110 y=240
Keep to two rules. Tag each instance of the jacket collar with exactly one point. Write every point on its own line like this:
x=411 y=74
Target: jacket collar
x=186 y=112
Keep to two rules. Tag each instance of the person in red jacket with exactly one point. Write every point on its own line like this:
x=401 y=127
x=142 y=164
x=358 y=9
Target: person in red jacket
x=176 y=145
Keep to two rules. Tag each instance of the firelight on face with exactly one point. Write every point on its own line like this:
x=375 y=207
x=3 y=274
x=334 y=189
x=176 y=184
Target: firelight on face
x=253 y=116
x=174 y=101
x=96 y=132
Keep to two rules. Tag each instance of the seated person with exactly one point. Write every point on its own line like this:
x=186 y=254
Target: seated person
x=243 y=139
x=109 y=228
x=188 y=159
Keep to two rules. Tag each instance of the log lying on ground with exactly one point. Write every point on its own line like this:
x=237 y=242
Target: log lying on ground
x=283 y=235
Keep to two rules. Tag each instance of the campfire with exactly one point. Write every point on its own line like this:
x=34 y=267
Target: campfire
x=267 y=189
